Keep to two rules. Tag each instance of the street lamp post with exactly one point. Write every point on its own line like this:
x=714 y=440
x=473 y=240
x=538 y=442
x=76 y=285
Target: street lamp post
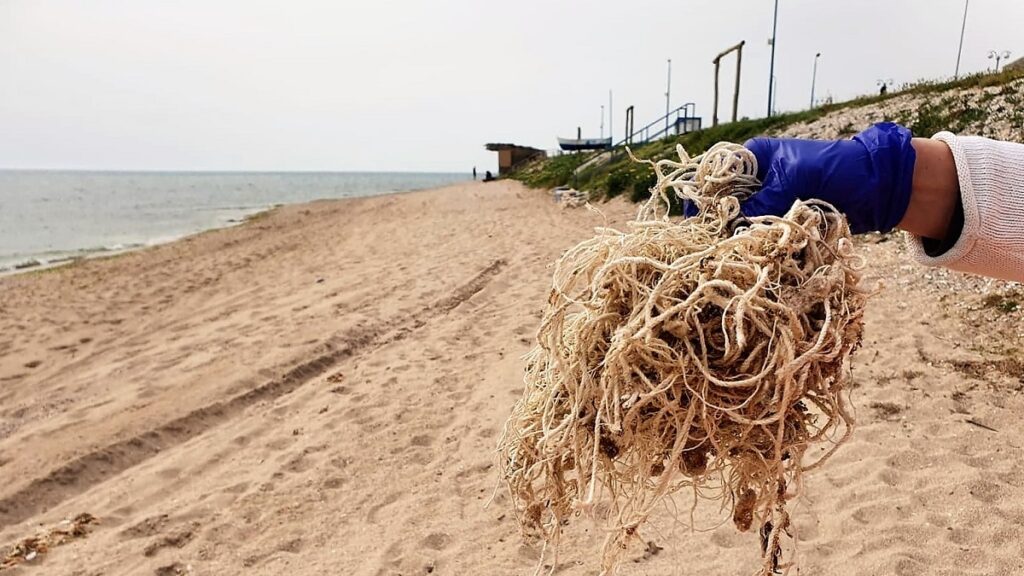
x=771 y=67
x=668 y=93
x=814 y=77
x=961 y=48
x=775 y=95
x=998 y=56
x=602 y=121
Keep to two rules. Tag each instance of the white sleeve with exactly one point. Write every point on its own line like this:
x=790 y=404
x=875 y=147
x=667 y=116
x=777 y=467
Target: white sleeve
x=991 y=175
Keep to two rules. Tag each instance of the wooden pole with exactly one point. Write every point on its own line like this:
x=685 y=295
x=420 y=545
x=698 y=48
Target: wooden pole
x=739 y=63
x=714 y=113
x=629 y=125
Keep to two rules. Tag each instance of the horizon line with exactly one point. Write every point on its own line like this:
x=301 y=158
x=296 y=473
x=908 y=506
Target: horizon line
x=229 y=171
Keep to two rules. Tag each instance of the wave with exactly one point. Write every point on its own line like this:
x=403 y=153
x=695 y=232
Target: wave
x=25 y=262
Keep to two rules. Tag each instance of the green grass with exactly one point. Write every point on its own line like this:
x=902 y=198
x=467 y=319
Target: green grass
x=554 y=171
x=621 y=176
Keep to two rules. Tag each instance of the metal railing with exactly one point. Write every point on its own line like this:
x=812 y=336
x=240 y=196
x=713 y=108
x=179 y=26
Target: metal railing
x=644 y=133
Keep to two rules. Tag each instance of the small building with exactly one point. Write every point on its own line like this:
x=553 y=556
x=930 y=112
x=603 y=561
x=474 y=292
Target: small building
x=512 y=156
x=687 y=124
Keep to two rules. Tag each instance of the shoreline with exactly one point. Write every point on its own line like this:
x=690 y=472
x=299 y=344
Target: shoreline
x=37 y=262
x=41 y=262
x=60 y=223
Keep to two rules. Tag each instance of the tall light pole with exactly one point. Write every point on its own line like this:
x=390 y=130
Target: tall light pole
x=961 y=48
x=771 y=67
x=814 y=77
x=998 y=56
x=611 y=127
x=668 y=94
x=602 y=121
x=775 y=95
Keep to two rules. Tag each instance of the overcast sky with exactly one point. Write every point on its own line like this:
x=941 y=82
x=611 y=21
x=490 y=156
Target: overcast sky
x=421 y=85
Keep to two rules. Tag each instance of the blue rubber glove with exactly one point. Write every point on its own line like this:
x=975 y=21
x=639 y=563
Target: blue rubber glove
x=867 y=178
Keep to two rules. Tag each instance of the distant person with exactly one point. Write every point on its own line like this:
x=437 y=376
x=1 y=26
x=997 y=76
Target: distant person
x=883 y=90
x=487 y=176
x=961 y=198
x=474 y=172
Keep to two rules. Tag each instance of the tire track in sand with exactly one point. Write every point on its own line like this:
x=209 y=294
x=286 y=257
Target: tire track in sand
x=98 y=466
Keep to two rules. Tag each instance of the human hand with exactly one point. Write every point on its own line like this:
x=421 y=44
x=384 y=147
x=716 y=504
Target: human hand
x=868 y=178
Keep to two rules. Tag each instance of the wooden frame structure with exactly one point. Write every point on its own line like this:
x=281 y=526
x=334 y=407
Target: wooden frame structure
x=736 y=95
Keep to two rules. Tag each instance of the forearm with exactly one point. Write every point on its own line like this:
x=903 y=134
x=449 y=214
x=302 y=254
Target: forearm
x=935 y=192
x=987 y=234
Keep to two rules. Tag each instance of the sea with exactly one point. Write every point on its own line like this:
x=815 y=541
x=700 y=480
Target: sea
x=49 y=217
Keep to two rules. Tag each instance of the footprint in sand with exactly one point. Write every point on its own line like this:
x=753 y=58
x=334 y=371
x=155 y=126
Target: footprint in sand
x=281 y=443
x=393 y=557
x=371 y=514
x=986 y=491
x=176 y=569
x=728 y=538
x=169 y=473
x=961 y=536
x=422 y=440
x=437 y=541
x=807 y=530
x=472 y=471
x=889 y=476
x=297 y=465
x=334 y=482
x=911 y=567
x=148 y=527
x=237 y=488
x=1014 y=477
x=177 y=539
x=909 y=460
x=292 y=546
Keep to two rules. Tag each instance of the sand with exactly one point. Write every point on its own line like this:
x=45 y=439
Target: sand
x=319 y=391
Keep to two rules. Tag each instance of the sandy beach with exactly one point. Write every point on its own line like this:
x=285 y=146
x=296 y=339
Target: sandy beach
x=320 y=391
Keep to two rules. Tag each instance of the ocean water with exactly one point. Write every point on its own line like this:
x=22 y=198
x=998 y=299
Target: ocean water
x=53 y=216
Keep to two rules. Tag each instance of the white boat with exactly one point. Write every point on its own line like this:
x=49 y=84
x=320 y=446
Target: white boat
x=584 y=143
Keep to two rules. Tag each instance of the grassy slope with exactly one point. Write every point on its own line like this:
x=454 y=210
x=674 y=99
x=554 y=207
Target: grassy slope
x=622 y=176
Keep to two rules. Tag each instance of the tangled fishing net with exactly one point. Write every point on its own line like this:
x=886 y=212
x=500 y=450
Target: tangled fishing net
x=705 y=355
